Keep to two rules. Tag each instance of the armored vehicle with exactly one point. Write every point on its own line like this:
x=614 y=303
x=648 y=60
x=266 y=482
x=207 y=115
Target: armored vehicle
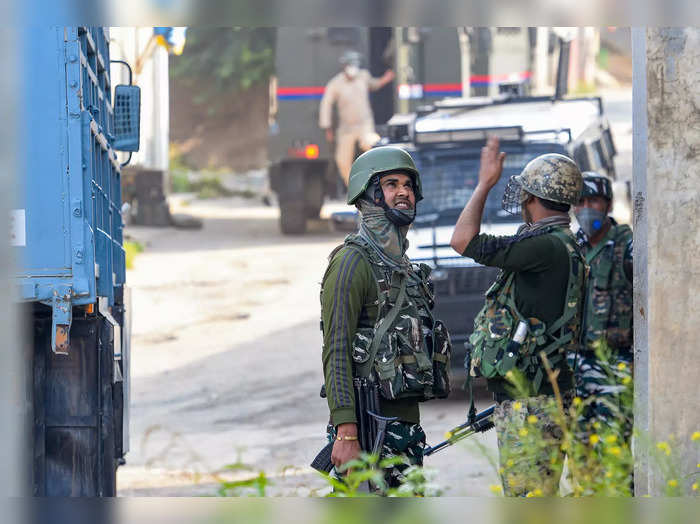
x=445 y=140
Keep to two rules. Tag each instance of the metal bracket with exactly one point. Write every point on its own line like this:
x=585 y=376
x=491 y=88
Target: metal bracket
x=61 y=319
x=104 y=309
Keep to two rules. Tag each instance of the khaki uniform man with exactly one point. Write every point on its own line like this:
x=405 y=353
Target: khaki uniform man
x=349 y=91
x=533 y=307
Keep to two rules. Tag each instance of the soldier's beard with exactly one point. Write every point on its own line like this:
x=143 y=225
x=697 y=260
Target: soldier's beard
x=527 y=217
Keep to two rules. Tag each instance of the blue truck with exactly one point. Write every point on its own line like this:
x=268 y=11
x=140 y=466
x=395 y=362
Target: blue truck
x=67 y=235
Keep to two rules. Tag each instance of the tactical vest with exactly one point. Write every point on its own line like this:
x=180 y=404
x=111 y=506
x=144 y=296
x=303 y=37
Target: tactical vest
x=491 y=352
x=407 y=351
x=609 y=311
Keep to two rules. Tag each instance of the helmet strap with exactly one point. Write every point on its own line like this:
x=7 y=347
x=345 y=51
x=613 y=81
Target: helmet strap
x=375 y=194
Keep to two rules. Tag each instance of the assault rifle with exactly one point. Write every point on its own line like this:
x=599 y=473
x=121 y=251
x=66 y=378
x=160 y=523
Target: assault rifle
x=479 y=423
x=371 y=427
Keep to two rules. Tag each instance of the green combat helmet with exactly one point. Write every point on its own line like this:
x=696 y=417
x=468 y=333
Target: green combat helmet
x=551 y=177
x=377 y=161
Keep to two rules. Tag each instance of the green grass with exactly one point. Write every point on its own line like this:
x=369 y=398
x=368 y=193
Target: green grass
x=132 y=249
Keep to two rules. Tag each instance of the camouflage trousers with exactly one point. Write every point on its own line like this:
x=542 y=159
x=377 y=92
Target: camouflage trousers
x=404 y=440
x=529 y=446
x=601 y=386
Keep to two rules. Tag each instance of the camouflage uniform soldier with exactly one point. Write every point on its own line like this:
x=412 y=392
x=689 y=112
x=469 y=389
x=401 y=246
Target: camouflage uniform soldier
x=534 y=307
x=608 y=316
x=376 y=315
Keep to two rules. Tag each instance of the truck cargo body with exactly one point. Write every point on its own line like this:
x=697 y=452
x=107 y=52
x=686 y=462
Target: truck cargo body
x=67 y=234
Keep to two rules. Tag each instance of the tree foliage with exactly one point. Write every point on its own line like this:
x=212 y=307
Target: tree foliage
x=218 y=60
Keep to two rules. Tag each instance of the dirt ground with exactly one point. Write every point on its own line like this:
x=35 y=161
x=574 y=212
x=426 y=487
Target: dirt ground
x=226 y=360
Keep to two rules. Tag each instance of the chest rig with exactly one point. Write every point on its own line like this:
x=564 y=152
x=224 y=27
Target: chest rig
x=494 y=347
x=407 y=351
x=609 y=311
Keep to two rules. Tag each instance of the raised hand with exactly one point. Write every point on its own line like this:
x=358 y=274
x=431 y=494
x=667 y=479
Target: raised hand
x=491 y=163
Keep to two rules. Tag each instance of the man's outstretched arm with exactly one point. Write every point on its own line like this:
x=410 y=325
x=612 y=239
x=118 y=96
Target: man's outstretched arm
x=469 y=222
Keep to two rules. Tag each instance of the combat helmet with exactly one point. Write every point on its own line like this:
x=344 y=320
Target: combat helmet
x=595 y=184
x=376 y=162
x=552 y=177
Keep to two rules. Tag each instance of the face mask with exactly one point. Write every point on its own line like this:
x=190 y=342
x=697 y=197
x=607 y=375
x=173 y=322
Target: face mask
x=352 y=70
x=591 y=220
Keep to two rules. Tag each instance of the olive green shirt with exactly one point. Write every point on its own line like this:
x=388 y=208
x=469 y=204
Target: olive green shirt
x=541 y=267
x=348 y=301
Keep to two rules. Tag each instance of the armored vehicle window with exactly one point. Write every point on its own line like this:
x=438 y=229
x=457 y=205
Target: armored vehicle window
x=449 y=177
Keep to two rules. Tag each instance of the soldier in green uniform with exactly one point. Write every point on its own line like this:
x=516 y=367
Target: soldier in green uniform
x=607 y=247
x=376 y=315
x=533 y=307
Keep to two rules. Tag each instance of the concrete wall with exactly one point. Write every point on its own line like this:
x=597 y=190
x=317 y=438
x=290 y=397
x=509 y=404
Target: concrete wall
x=667 y=240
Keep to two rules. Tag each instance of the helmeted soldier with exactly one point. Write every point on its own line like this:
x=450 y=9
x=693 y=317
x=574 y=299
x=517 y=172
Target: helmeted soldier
x=607 y=247
x=349 y=92
x=533 y=308
x=376 y=314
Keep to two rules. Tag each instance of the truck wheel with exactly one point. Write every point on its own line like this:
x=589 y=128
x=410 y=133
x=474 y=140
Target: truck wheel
x=292 y=218
x=313 y=188
x=313 y=210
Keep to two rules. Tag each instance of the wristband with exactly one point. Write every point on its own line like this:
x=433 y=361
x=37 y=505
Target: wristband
x=346 y=437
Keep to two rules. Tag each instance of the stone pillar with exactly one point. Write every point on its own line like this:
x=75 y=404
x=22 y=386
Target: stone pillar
x=667 y=241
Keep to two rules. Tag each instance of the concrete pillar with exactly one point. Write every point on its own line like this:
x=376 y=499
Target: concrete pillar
x=667 y=242
x=542 y=84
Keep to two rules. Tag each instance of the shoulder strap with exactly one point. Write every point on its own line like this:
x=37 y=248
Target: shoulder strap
x=570 y=307
x=363 y=370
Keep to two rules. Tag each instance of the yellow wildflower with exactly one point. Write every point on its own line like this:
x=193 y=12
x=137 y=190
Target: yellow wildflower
x=517 y=406
x=672 y=483
x=663 y=446
x=532 y=419
x=577 y=401
x=608 y=475
x=510 y=463
x=495 y=489
x=611 y=439
x=522 y=432
x=537 y=492
x=501 y=471
x=622 y=366
x=596 y=424
x=616 y=450
x=694 y=487
x=696 y=436
x=626 y=380
x=593 y=439
x=529 y=495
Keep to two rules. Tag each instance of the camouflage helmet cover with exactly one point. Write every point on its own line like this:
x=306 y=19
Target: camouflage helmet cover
x=552 y=177
x=595 y=184
x=380 y=160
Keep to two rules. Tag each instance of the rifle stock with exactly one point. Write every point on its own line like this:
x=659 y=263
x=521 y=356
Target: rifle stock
x=366 y=400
